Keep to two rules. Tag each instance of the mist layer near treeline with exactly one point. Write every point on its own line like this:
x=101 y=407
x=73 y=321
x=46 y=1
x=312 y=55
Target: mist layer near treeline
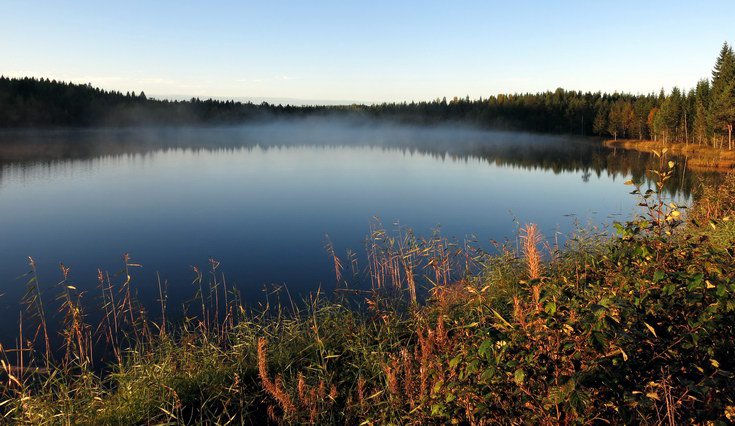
x=322 y=130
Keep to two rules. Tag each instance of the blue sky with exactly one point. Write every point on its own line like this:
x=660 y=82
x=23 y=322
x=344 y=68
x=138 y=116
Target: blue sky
x=367 y=51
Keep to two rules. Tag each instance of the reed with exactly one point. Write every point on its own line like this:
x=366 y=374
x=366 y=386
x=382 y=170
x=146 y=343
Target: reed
x=635 y=328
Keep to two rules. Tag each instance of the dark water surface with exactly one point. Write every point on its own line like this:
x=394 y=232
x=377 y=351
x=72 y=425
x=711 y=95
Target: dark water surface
x=261 y=198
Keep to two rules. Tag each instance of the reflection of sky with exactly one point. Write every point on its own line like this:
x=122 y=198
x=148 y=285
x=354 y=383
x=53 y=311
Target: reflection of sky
x=264 y=212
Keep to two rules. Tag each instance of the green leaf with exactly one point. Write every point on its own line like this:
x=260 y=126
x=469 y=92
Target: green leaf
x=437 y=410
x=485 y=347
x=721 y=290
x=519 y=376
x=658 y=276
x=488 y=374
x=455 y=361
x=500 y=317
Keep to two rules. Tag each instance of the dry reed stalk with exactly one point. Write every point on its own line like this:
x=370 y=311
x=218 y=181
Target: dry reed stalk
x=536 y=294
x=214 y=290
x=145 y=329
x=273 y=388
x=407 y=254
x=302 y=389
x=109 y=326
x=669 y=400
x=162 y=296
x=198 y=278
x=394 y=269
x=271 y=413
x=519 y=314
x=391 y=376
x=34 y=303
x=228 y=311
x=531 y=238
x=76 y=333
x=335 y=259
x=440 y=334
x=126 y=306
x=19 y=358
x=409 y=385
x=426 y=349
x=361 y=401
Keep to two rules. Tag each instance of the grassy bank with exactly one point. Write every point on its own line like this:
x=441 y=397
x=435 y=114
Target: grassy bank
x=698 y=157
x=637 y=328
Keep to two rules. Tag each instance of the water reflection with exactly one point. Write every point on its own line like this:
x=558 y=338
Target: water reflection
x=556 y=154
x=261 y=198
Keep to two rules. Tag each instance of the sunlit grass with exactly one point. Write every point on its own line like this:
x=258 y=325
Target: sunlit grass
x=635 y=328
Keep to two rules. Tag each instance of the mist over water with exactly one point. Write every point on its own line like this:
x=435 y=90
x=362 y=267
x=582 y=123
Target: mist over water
x=261 y=198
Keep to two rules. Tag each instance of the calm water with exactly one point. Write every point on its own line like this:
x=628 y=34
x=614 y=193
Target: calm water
x=260 y=199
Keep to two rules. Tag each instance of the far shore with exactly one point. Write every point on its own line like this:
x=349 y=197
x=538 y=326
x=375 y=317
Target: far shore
x=696 y=157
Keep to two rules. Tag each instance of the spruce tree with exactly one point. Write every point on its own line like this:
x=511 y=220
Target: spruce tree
x=702 y=127
x=723 y=92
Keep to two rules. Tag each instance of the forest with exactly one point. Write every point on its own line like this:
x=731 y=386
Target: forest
x=703 y=115
x=632 y=324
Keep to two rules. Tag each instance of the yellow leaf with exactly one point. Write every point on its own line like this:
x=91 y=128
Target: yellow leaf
x=671 y=164
x=650 y=329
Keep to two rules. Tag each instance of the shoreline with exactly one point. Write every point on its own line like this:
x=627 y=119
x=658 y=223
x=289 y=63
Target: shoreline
x=697 y=157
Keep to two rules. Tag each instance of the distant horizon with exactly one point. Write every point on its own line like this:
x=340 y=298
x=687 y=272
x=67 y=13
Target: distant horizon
x=293 y=101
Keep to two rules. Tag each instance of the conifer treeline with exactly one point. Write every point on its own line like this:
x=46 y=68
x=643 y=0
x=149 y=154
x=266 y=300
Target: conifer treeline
x=704 y=115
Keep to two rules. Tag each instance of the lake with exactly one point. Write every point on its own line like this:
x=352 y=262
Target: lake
x=261 y=198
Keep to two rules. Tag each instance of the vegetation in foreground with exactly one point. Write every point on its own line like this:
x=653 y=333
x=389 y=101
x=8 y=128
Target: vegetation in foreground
x=635 y=329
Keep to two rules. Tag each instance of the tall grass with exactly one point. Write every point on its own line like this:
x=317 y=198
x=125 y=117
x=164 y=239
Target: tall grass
x=632 y=329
